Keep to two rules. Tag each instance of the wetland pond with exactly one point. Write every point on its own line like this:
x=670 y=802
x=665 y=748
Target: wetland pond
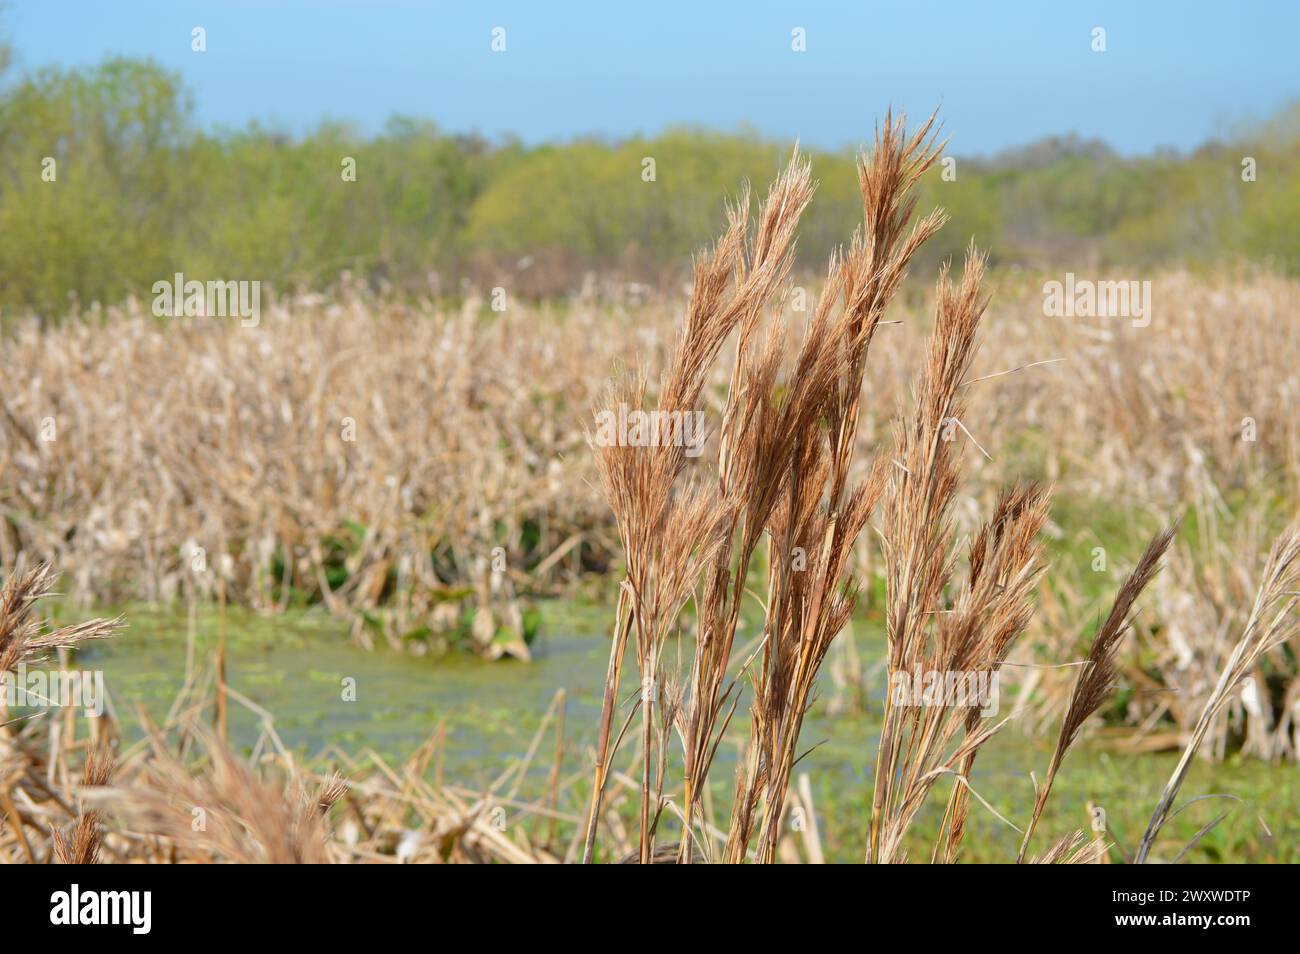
x=294 y=667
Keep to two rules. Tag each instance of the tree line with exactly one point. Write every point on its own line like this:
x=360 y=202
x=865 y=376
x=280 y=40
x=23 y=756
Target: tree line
x=107 y=185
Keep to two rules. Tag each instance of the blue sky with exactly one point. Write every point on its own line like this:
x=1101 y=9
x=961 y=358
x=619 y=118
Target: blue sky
x=1175 y=73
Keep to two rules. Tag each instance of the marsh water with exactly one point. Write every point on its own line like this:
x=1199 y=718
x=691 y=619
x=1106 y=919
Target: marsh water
x=322 y=691
x=297 y=669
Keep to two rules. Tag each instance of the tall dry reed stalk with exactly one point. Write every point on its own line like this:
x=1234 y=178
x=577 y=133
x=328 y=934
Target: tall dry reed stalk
x=784 y=473
x=776 y=475
x=1098 y=676
x=21 y=636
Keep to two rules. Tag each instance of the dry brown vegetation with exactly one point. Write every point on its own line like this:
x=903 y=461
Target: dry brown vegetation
x=124 y=443
x=386 y=450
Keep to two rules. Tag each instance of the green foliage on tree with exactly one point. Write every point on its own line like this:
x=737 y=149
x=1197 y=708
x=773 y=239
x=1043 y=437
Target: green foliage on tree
x=107 y=186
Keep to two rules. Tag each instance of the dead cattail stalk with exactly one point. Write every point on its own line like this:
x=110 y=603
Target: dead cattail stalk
x=1272 y=622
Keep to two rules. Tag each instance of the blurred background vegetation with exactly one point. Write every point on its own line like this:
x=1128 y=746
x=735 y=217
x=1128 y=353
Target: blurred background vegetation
x=142 y=192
